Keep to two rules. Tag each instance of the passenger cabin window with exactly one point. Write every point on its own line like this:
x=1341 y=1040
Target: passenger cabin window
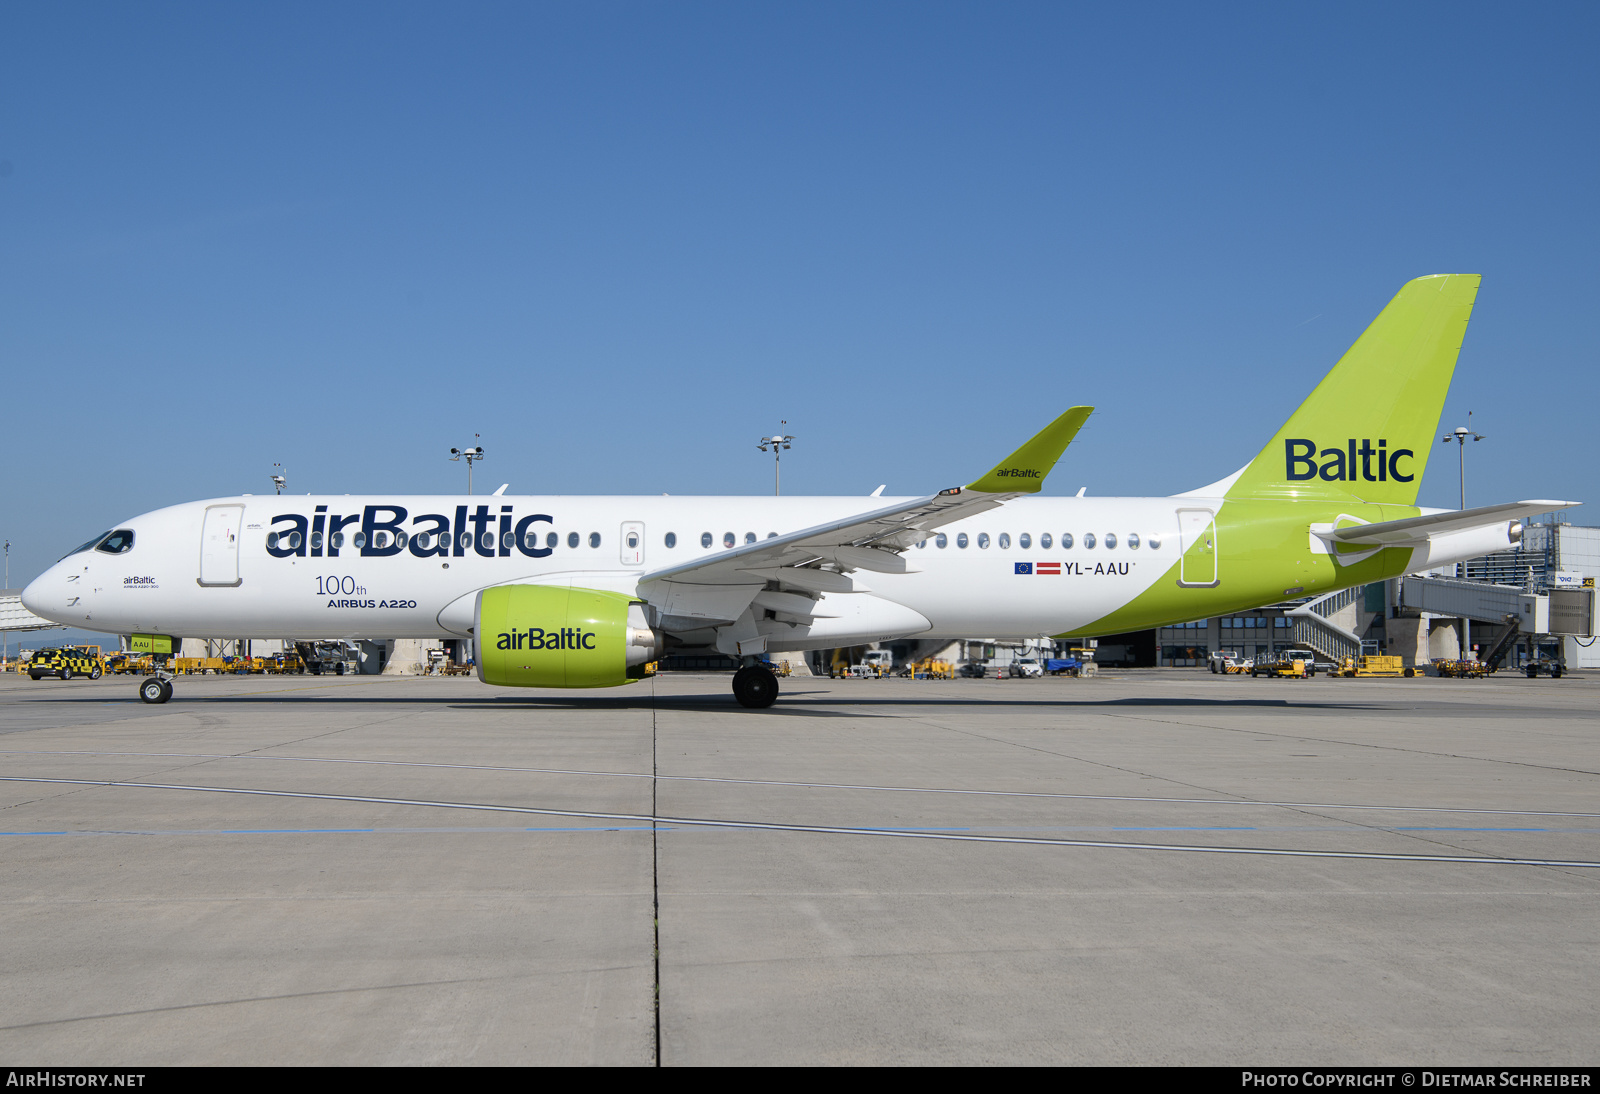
x=1066 y=541
x=670 y=541
x=961 y=540
x=572 y=539
x=1044 y=541
x=1133 y=541
x=1111 y=541
x=728 y=539
x=705 y=539
x=1088 y=541
x=594 y=539
x=1005 y=541
x=941 y=541
x=749 y=537
x=1024 y=541
x=551 y=539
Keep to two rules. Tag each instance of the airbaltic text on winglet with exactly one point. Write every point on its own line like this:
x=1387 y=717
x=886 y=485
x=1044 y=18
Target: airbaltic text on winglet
x=1346 y=464
x=1018 y=473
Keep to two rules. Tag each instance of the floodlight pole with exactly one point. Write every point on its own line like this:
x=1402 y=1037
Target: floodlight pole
x=473 y=453
x=778 y=443
x=1460 y=435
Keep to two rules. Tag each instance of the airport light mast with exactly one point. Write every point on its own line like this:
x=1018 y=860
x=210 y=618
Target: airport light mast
x=278 y=480
x=1460 y=435
x=473 y=453
x=778 y=445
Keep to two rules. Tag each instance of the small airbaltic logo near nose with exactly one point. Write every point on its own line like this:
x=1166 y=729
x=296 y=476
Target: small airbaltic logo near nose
x=1340 y=464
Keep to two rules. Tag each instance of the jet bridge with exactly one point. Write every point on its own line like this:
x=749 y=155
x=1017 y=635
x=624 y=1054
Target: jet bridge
x=14 y=617
x=1566 y=613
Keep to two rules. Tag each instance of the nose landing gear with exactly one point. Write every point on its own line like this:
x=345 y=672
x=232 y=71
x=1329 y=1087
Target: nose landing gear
x=156 y=689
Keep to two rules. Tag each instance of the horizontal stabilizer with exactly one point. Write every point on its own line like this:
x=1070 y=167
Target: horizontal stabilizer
x=1394 y=533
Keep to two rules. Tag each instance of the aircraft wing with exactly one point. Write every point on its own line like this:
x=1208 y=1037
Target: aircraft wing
x=817 y=559
x=1413 y=530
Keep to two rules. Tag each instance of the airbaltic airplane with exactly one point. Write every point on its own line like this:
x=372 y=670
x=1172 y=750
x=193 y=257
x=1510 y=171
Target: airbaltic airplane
x=574 y=592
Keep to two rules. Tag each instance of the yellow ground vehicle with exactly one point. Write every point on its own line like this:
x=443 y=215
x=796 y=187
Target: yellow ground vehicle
x=1374 y=665
x=1285 y=667
x=66 y=663
x=1464 y=669
x=131 y=663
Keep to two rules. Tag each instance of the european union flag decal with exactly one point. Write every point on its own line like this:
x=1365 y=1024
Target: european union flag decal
x=1024 y=568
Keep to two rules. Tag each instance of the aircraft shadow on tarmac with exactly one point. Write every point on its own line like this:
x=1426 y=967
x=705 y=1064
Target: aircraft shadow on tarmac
x=792 y=704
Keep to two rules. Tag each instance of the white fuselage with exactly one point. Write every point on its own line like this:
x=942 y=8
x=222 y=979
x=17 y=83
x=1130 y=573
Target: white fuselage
x=320 y=591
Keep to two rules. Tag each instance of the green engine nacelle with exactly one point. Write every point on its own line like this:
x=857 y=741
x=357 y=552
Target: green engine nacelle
x=543 y=636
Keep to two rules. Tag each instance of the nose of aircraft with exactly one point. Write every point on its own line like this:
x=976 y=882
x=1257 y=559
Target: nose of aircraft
x=45 y=596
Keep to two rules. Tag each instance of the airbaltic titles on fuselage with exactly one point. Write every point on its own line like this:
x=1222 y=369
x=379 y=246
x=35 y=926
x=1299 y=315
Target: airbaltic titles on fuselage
x=379 y=533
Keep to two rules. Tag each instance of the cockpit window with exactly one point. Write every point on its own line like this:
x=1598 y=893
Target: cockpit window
x=117 y=542
x=86 y=546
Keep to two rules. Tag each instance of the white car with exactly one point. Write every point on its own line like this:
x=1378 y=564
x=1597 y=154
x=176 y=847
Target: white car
x=1026 y=666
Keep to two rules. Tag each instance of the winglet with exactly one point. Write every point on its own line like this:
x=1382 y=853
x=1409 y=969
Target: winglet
x=1023 y=471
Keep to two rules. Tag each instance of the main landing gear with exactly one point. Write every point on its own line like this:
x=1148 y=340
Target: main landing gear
x=755 y=687
x=156 y=689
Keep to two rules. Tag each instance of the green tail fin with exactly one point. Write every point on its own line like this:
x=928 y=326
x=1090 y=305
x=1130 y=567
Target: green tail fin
x=1368 y=427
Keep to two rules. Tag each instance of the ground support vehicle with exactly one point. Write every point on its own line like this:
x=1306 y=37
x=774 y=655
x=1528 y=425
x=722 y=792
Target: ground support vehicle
x=1025 y=667
x=975 y=670
x=1549 y=666
x=930 y=670
x=338 y=658
x=457 y=670
x=1284 y=666
x=64 y=662
x=1226 y=663
x=873 y=663
x=1461 y=668
x=192 y=666
x=1374 y=665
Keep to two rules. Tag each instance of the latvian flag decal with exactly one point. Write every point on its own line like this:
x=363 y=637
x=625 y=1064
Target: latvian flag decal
x=1048 y=568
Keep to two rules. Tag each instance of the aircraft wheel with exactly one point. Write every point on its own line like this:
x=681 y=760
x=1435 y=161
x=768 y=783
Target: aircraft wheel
x=155 y=690
x=755 y=687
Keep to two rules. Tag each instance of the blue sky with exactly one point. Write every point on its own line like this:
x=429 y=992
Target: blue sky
x=622 y=241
